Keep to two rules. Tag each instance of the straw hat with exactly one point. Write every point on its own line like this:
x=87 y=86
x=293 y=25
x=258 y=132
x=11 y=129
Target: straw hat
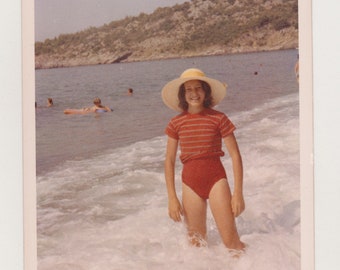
x=171 y=89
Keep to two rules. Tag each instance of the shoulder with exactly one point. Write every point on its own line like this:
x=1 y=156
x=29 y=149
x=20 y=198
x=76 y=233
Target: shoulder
x=211 y=111
x=177 y=121
x=216 y=114
x=222 y=120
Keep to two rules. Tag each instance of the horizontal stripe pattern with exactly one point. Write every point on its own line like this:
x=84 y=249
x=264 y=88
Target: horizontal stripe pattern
x=200 y=135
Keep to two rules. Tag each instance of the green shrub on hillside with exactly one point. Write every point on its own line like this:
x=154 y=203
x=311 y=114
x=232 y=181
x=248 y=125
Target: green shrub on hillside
x=195 y=25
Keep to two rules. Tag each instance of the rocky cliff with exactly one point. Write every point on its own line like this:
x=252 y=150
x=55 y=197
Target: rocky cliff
x=195 y=28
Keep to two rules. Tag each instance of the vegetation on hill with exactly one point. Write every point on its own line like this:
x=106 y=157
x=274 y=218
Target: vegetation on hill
x=198 y=27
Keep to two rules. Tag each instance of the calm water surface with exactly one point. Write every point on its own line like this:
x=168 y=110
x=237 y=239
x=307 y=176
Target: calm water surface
x=66 y=137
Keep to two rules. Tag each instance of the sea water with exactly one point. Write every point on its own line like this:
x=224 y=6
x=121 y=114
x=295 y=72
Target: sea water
x=101 y=195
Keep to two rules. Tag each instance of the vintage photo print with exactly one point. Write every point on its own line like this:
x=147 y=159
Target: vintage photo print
x=95 y=192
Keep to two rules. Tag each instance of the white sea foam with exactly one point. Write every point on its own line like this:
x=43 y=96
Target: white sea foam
x=110 y=211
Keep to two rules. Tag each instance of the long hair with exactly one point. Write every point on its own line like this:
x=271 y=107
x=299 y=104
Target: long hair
x=208 y=100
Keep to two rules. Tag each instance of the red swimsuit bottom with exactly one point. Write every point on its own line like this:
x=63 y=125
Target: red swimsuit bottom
x=201 y=174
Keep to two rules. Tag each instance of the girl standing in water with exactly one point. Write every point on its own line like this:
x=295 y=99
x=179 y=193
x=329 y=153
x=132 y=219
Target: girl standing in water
x=199 y=131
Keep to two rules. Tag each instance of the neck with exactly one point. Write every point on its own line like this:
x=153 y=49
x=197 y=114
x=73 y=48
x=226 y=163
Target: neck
x=194 y=110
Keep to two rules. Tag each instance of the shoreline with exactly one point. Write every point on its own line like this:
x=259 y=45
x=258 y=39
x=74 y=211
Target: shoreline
x=152 y=59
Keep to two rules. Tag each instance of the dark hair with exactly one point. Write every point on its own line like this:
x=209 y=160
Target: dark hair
x=208 y=100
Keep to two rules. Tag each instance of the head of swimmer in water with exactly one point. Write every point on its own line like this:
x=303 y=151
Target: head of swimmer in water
x=97 y=101
x=208 y=100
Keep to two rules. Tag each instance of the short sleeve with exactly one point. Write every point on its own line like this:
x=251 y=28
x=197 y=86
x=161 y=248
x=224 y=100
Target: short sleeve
x=226 y=126
x=171 y=131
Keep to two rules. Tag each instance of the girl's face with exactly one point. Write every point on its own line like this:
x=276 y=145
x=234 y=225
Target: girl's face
x=194 y=94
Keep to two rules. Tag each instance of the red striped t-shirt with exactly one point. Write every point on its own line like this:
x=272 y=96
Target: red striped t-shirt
x=200 y=135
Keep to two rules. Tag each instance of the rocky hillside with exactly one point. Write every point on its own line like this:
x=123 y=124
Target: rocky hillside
x=194 y=28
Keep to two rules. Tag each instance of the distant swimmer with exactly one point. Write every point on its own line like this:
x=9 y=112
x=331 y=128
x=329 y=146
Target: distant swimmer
x=130 y=92
x=97 y=108
x=49 y=102
x=296 y=69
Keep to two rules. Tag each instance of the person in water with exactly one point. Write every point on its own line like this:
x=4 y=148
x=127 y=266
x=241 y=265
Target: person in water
x=97 y=108
x=296 y=69
x=49 y=102
x=199 y=131
x=130 y=92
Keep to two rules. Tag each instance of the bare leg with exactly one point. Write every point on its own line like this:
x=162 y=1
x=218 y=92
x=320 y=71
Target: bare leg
x=220 y=204
x=195 y=214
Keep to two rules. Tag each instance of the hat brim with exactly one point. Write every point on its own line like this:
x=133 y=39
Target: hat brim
x=171 y=89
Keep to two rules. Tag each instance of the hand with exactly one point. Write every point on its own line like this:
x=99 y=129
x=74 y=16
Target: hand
x=237 y=204
x=175 y=209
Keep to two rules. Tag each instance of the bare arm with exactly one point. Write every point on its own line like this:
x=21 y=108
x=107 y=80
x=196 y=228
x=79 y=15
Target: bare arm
x=237 y=201
x=174 y=206
x=90 y=109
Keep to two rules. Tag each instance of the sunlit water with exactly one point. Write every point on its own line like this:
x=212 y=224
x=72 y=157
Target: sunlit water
x=101 y=195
